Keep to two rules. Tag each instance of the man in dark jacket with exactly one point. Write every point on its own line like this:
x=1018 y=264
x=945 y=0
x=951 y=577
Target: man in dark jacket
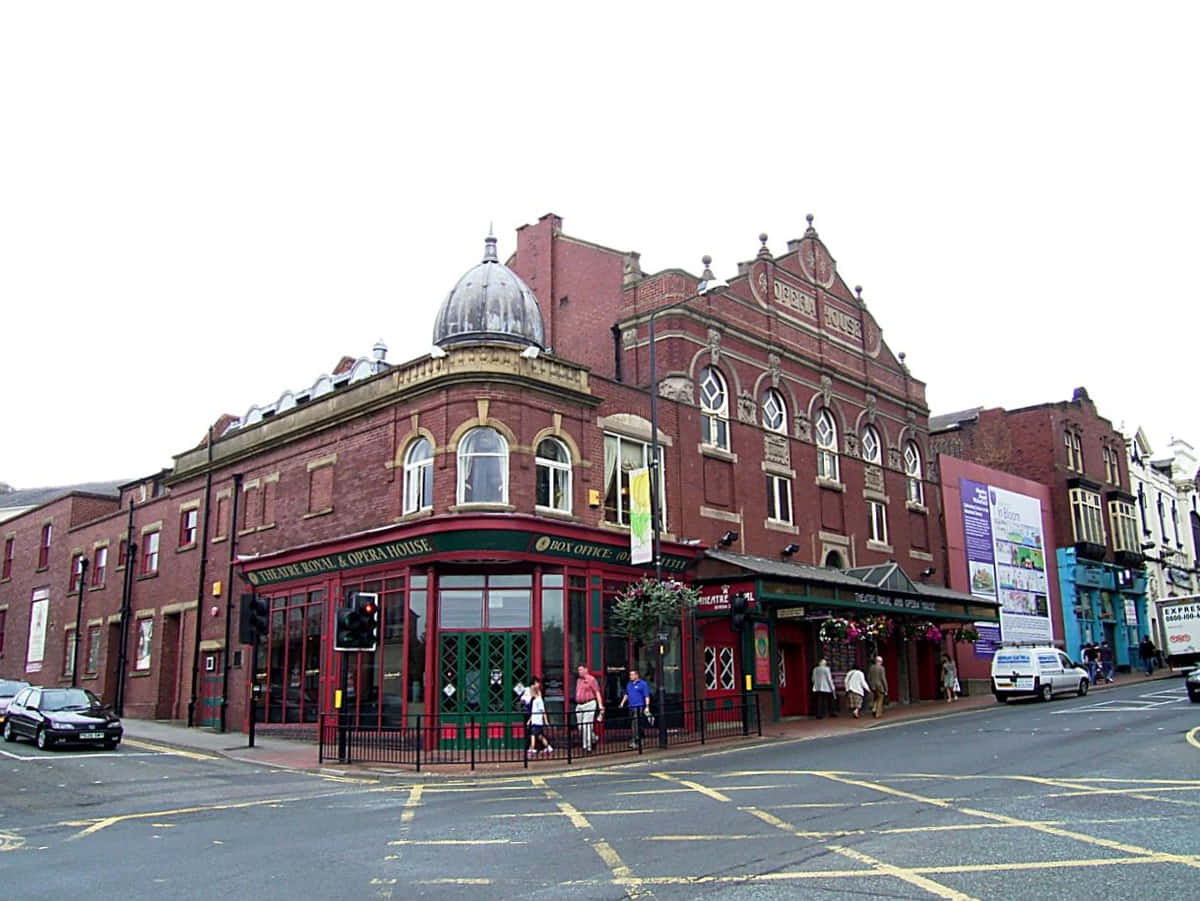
x=1146 y=651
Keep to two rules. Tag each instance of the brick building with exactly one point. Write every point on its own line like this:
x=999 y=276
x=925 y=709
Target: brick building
x=483 y=491
x=1069 y=447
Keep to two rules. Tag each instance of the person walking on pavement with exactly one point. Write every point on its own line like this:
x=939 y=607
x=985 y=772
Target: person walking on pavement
x=822 y=685
x=589 y=706
x=1106 y=661
x=1090 y=661
x=637 y=696
x=856 y=689
x=949 y=678
x=1146 y=651
x=877 y=682
x=537 y=723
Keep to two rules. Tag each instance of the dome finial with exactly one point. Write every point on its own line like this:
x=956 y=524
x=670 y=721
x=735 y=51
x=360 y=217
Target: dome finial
x=489 y=247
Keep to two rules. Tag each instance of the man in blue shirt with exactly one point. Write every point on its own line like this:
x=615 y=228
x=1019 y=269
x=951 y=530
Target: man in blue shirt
x=637 y=695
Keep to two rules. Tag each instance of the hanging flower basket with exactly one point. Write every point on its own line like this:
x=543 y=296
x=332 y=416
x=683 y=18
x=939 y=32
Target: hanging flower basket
x=877 y=628
x=967 y=633
x=924 y=631
x=835 y=628
x=643 y=606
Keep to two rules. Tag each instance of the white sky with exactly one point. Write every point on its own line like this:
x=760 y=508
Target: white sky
x=204 y=204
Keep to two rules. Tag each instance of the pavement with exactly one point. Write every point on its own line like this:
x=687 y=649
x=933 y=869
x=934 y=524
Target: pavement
x=293 y=754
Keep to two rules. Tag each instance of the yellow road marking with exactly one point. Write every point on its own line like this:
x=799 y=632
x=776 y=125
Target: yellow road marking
x=105 y=822
x=533 y=814
x=453 y=880
x=165 y=749
x=694 y=786
x=934 y=888
x=411 y=805
x=1186 y=860
x=457 y=841
x=578 y=820
x=1193 y=737
x=622 y=875
x=700 y=838
x=10 y=841
x=769 y=819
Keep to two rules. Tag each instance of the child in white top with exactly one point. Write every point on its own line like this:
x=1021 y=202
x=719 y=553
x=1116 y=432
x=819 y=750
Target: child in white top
x=537 y=722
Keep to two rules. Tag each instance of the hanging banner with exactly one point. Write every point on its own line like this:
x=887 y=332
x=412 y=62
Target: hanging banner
x=641 y=532
x=762 y=654
x=38 y=615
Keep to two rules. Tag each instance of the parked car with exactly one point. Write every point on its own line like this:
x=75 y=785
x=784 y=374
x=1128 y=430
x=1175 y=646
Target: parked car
x=1040 y=671
x=59 y=716
x=1193 y=685
x=8 y=689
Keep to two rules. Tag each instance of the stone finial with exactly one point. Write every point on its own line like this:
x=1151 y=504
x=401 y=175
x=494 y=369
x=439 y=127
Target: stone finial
x=810 y=232
x=763 y=252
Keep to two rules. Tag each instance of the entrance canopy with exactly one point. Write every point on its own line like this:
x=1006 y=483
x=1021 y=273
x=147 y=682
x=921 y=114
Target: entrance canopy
x=872 y=589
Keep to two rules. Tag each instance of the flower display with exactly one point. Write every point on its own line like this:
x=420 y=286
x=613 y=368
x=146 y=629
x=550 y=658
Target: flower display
x=644 y=605
x=923 y=630
x=966 y=633
x=877 y=628
x=835 y=628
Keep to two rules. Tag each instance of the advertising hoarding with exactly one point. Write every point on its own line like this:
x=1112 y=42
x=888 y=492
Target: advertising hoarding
x=1006 y=558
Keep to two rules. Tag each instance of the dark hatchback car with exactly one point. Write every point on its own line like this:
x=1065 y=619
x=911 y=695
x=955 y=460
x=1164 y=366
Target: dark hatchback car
x=61 y=716
x=8 y=690
x=1193 y=685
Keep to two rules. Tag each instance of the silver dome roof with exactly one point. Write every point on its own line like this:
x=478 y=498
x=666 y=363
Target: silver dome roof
x=489 y=303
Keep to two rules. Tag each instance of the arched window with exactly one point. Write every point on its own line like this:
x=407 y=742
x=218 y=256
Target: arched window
x=872 y=447
x=553 y=475
x=827 y=455
x=912 y=473
x=483 y=467
x=714 y=408
x=774 y=412
x=834 y=560
x=418 y=476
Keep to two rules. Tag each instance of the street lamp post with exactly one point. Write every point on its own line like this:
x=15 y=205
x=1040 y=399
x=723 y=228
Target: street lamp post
x=83 y=568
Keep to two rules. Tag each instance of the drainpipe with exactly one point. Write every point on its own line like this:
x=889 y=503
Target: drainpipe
x=126 y=608
x=233 y=541
x=191 y=715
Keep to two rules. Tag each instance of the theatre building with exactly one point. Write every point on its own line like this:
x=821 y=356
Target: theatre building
x=482 y=490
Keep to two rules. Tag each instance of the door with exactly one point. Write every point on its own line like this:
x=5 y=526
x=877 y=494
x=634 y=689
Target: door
x=477 y=700
x=790 y=676
x=210 y=689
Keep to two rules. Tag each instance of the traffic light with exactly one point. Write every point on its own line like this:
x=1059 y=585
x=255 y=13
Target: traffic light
x=368 y=619
x=738 y=605
x=357 y=626
x=253 y=619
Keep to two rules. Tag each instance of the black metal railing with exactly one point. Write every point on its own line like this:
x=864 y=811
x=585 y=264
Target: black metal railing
x=479 y=740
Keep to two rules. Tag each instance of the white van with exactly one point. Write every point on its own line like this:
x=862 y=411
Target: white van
x=1035 y=671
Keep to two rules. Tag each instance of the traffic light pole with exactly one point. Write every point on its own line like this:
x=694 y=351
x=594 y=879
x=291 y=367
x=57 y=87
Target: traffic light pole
x=343 y=720
x=253 y=688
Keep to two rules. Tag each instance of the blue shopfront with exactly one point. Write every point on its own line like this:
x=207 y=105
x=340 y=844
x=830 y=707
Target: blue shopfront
x=1102 y=602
